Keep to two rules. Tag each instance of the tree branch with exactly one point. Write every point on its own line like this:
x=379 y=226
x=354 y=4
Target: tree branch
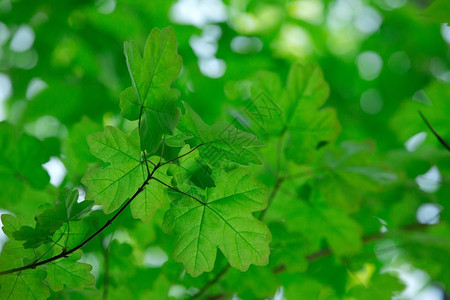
x=178 y=191
x=212 y=282
x=65 y=253
x=441 y=140
x=174 y=159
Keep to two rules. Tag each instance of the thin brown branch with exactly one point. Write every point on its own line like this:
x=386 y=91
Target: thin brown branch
x=272 y=195
x=178 y=191
x=65 y=253
x=213 y=281
x=178 y=157
x=441 y=140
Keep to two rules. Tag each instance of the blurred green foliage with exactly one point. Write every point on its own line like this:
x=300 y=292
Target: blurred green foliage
x=361 y=183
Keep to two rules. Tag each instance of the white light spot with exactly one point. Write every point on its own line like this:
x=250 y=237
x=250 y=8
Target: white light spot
x=430 y=181
x=399 y=63
x=198 y=12
x=206 y=44
x=445 y=31
x=430 y=293
x=35 y=86
x=155 y=257
x=245 y=45
x=81 y=194
x=293 y=40
x=92 y=260
x=422 y=97
x=106 y=7
x=3 y=237
x=428 y=213
x=177 y=291
x=5 y=87
x=386 y=251
x=4 y=33
x=56 y=170
x=279 y=294
x=308 y=10
x=414 y=279
x=46 y=126
x=96 y=207
x=5 y=93
x=369 y=65
x=415 y=141
x=371 y=102
x=439 y=69
x=23 y=39
x=212 y=67
x=368 y=20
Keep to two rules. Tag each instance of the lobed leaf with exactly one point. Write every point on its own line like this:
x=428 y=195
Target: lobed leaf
x=150 y=93
x=224 y=221
x=112 y=185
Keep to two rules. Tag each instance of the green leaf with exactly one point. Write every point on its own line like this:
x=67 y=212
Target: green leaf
x=177 y=139
x=151 y=76
x=21 y=159
x=222 y=141
x=69 y=272
x=288 y=249
x=112 y=185
x=380 y=286
x=25 y=285
x=13 y=252
x=66 y=209
x=317 y=221
x=191 y=170
x=224 y=221
x=33 y=237
x=348 y=174
x=307 y=124
x=439 y=10
x=341 y=232
x=71 y=234
x=76 y=152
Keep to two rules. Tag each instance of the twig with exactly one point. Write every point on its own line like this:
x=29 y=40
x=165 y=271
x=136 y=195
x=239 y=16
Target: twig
x=441 y=140
x=178 y=191
x=65 y=253
x=212 y=282
x=174 y=159
x=272 y=195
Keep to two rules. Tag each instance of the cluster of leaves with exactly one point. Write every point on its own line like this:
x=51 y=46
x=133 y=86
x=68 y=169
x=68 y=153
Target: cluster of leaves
x=204 y=217
x=284 y=177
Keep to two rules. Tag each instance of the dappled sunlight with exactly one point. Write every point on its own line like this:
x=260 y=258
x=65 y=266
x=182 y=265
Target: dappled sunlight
x=430 y=181
x=224 y=149
x=371 y=102
x=155 y=257
x=428 y=213
x=22 y=39
x=5 y=93
x=369 y=65
x=56 y=170
x=198 y=12
x=415 y=141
